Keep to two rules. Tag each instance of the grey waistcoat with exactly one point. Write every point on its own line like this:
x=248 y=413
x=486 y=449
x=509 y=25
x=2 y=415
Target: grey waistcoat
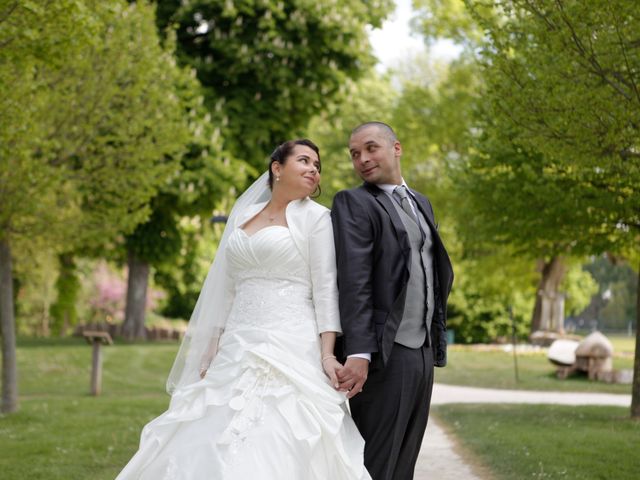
x=419 y=303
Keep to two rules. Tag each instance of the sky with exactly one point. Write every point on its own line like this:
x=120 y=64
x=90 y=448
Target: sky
x=394 y=42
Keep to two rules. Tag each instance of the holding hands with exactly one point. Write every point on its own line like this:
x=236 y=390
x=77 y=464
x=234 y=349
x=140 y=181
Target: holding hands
x=353 y=375
x=349 y=377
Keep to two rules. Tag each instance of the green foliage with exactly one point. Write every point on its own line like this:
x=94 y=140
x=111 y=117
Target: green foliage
x=547 y=441
x=578 y=286
x=537 y=203
x=433 y=121
x=63 y=311
x=371 y=97
x=35 y=272
x=446 y=19
x=434 y=118
x=271 y=65
x=158 y=239
x=486 y=288
x=94 y=126
x=100 y=117
x=208 y=174
x=183 y=278
x=621 y=283
x=562 y=92
x=548 y=123
x=265 y=68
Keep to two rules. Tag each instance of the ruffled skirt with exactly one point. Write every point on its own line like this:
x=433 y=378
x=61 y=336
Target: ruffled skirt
x=264 y=411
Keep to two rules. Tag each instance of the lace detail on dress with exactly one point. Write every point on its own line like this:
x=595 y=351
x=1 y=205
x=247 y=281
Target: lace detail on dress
x=300 y=274
x=256 y=305
x=254 y=386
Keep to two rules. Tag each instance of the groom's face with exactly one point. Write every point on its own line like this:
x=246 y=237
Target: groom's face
x=375 y=156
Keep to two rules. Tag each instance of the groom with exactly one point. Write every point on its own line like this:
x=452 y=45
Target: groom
x=394 y=278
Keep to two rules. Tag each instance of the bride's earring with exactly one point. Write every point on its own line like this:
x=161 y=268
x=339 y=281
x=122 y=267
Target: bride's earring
x=277 y=178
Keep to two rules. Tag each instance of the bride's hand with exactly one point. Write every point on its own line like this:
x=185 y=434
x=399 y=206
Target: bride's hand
x=330 y=365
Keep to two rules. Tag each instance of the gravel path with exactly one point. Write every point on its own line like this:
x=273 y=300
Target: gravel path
x=438 y=458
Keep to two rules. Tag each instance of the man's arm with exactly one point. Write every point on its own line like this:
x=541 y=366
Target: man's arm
x=353 y=236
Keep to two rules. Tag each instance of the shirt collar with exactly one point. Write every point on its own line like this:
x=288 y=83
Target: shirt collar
x=388 y=188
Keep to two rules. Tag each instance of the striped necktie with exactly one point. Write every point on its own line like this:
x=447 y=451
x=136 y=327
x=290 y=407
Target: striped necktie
x=402 y=196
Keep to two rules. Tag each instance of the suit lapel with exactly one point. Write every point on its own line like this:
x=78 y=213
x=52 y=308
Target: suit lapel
x=424 y=208
x=387 y=204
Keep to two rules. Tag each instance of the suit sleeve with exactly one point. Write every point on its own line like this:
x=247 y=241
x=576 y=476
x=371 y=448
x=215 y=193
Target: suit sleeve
x=322 y=267
x=353 y=234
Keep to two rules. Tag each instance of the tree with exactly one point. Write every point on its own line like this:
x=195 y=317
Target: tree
x=94 y=129
x=21 y=49
x=562 y=86
x=208 y=174
x=266 y=69
x=270 y=66
x=521 y=200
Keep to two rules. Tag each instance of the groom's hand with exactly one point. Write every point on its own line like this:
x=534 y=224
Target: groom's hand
x=352 y=376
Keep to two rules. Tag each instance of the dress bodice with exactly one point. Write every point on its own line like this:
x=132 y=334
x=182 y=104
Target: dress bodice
x=271 y=279
x=268 y=253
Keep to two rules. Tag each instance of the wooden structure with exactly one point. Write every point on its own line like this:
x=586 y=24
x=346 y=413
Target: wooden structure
x=592 y=356
x=97 y=339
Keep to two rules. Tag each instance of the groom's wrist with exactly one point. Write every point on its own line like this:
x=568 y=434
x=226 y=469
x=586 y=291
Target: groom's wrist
x=366 y=356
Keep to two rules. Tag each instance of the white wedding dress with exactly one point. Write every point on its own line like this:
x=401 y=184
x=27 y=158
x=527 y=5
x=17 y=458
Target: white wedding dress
x=265 y=409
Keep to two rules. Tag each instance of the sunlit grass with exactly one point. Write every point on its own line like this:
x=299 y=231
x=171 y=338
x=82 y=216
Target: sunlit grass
x=61 y=432
x=547 y=441
x=496 y=369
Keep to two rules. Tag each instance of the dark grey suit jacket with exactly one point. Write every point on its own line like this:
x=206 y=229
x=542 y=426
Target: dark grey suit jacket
x=373 y=257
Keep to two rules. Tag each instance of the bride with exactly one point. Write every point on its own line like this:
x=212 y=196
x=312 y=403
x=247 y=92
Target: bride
x=252 y=386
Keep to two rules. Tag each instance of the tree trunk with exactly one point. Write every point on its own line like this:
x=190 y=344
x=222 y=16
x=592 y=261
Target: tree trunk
x=548 y=290
x=7 y=326
x=137 y=282
x=635 y=390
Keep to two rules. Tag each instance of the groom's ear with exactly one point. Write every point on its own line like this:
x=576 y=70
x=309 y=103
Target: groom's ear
x=397 y=148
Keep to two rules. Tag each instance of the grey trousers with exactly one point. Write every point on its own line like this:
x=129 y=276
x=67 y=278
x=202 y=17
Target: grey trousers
x=392 y=411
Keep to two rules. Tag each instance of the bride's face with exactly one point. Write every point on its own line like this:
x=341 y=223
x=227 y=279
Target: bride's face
x=300 y=174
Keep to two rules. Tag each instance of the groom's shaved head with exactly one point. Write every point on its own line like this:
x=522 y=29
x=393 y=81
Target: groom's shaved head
x=383 y=128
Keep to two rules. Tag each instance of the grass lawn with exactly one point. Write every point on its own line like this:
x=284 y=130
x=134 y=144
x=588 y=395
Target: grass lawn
x=61 y=432
x=495 y=369
x=547 y=441
x=623 y=344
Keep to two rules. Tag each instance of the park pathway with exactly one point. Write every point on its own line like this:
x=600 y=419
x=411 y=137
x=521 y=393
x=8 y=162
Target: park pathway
x=439 y=460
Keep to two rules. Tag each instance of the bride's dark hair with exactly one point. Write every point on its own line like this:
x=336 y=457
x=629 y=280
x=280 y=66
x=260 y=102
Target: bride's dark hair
x=284 y=150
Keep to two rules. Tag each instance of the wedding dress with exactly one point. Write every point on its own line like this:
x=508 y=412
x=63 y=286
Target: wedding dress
x=265 y=409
